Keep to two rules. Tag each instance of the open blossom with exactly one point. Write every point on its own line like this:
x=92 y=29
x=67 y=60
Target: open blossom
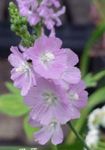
x=52 y=131
x=77 y=95
x=22 y=74
x=44 y=11
x=52 y=62
x=51 y=106
x=48 y=99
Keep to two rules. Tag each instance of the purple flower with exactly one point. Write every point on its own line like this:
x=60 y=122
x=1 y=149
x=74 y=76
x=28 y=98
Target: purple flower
x=51 y=106
x=44 y=11
x=51 y=131
x=49 y=17
x=49 y=60
x=77 y=95
x=28 y=9
x=52 y=62
x=55 y=3
x=22 y=74
x=48 y=101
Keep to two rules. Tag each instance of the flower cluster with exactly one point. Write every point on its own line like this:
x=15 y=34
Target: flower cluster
x=51 y=85
x=41 y=11
x=96 y=125
x=47 y=74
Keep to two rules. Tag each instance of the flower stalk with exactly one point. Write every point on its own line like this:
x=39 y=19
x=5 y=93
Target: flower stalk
x=78 y=135
x=54 y=147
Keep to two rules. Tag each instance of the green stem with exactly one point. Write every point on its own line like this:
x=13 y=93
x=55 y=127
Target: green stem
x=78 y=135
x=54 y=147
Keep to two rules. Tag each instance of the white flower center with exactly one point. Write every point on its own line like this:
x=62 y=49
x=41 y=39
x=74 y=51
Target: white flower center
x=24 y=67
x=53 y=124
x=47 y=57
x=73 y=96
x=50 y=97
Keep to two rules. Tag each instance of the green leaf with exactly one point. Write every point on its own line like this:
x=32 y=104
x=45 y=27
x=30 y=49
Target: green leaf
x=89 y=81
x=29 y=130
x=96 y=98
x=11 y=88
x=99 y=75
x=84 y=64
x=12 y=105
x=92 y=80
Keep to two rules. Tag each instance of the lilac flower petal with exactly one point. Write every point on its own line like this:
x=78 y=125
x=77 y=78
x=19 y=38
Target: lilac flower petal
x=72 y=75
x=77 y=95
x=22 y=74
x=43 y=136
x=15 y=58
x=57 y=137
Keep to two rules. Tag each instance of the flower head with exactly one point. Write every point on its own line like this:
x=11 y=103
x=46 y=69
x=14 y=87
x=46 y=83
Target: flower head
x=49 y=60
x=22 y=74
x=48 y=99
x=52 y=62
x=27 y=9
x=41 y=11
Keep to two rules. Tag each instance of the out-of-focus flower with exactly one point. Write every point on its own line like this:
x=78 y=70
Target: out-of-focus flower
x=92 y=139
x=41 y=11
x=22 y=74
x=55 y=3
x=97 y=119
x=28 y=9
